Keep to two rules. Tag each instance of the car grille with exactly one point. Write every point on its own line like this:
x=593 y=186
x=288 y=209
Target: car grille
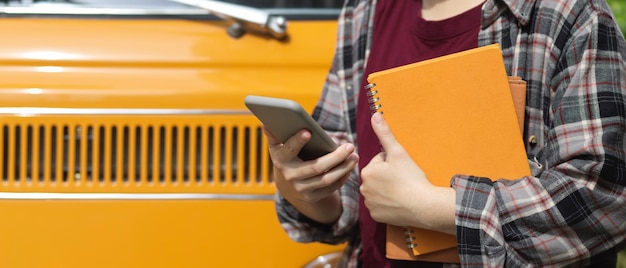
x=134 y=153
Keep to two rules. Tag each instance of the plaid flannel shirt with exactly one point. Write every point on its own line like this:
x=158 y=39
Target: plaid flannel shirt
x=573 y=56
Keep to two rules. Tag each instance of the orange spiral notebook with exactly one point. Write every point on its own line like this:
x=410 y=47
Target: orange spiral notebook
x=454 y=115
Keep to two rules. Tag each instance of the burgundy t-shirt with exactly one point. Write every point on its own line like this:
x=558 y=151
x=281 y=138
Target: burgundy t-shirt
x=402 y=36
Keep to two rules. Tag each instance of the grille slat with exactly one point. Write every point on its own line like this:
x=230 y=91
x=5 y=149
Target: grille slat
x=58 y=151
x=167 y=161
x=131 y=150
x=180 y=158
x=47 y=154
x=227 y=155
x=95 y=154
x=143 y=156
x=21 y=153
x=254 y=155
x=118 y=148
x=108 y=141
x=214 y=155
x=240 y=155
x=70 y=152
x=204 y=155
x=32 y=161
x=11 y=154
x=84 y=155
x=192 y=175
x=158 y=155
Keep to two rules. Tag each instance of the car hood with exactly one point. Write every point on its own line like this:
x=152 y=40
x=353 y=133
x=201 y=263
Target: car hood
x=160 y=63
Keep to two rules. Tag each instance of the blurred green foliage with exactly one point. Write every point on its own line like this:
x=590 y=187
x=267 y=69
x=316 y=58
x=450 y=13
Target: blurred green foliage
x=619 y=10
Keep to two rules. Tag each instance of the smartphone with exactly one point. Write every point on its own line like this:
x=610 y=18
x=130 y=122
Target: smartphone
x=284 y=118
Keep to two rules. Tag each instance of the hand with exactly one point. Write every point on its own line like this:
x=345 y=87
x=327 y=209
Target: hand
x=396 y=190
x=311 y=186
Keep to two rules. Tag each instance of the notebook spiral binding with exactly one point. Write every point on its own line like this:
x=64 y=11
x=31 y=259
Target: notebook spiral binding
x=409 y=238
x=375 y=106
x=374 y=101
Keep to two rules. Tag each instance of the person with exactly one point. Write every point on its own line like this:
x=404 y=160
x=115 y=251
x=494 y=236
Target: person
x=569 y=212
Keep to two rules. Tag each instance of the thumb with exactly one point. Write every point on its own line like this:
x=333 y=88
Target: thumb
x=383 y=132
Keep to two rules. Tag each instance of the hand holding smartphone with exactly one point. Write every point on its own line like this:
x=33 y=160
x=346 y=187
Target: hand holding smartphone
x=284 y=118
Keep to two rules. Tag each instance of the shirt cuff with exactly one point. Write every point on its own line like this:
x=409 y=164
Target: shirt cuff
x=479 y=232
x=302 y=229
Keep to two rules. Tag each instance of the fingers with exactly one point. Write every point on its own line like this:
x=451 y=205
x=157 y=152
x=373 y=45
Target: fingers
x=327 y=178
x=386 y=138
x=325 y=184
x=288 y=150
x=314 y=180
x=321 y=165
x=309 y=180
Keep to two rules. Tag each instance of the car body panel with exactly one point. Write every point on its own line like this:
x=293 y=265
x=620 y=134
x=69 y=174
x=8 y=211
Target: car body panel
x=125 y=141
x=147 y=233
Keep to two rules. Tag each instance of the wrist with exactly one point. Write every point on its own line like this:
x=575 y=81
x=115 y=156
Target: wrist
x=435 y=209
x=325 y=211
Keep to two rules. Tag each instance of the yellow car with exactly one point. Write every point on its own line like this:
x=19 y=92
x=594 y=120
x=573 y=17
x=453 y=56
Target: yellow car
x=124 y=138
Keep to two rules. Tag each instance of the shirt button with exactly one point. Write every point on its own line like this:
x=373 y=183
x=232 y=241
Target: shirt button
x=532 y=140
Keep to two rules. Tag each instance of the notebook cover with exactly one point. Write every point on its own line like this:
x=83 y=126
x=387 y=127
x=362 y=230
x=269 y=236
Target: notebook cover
x=396 y=249
x=396 y=240
x=454 y=115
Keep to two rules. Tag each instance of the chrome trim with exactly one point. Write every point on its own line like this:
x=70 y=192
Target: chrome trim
x=304 y=11
x=243 y=17
x=123 y=196
x=50 y=10
x=33 y=111
x=324 y=261
x=66 y=10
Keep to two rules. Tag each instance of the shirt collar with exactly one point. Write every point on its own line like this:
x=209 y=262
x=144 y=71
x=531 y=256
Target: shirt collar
x=521 y=10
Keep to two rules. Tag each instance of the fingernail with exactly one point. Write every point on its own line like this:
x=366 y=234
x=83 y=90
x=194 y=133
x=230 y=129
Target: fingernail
x=378 y=118
x=349 y=147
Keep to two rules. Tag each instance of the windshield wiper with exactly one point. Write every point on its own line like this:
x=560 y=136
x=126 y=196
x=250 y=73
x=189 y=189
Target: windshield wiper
x=244 y=18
